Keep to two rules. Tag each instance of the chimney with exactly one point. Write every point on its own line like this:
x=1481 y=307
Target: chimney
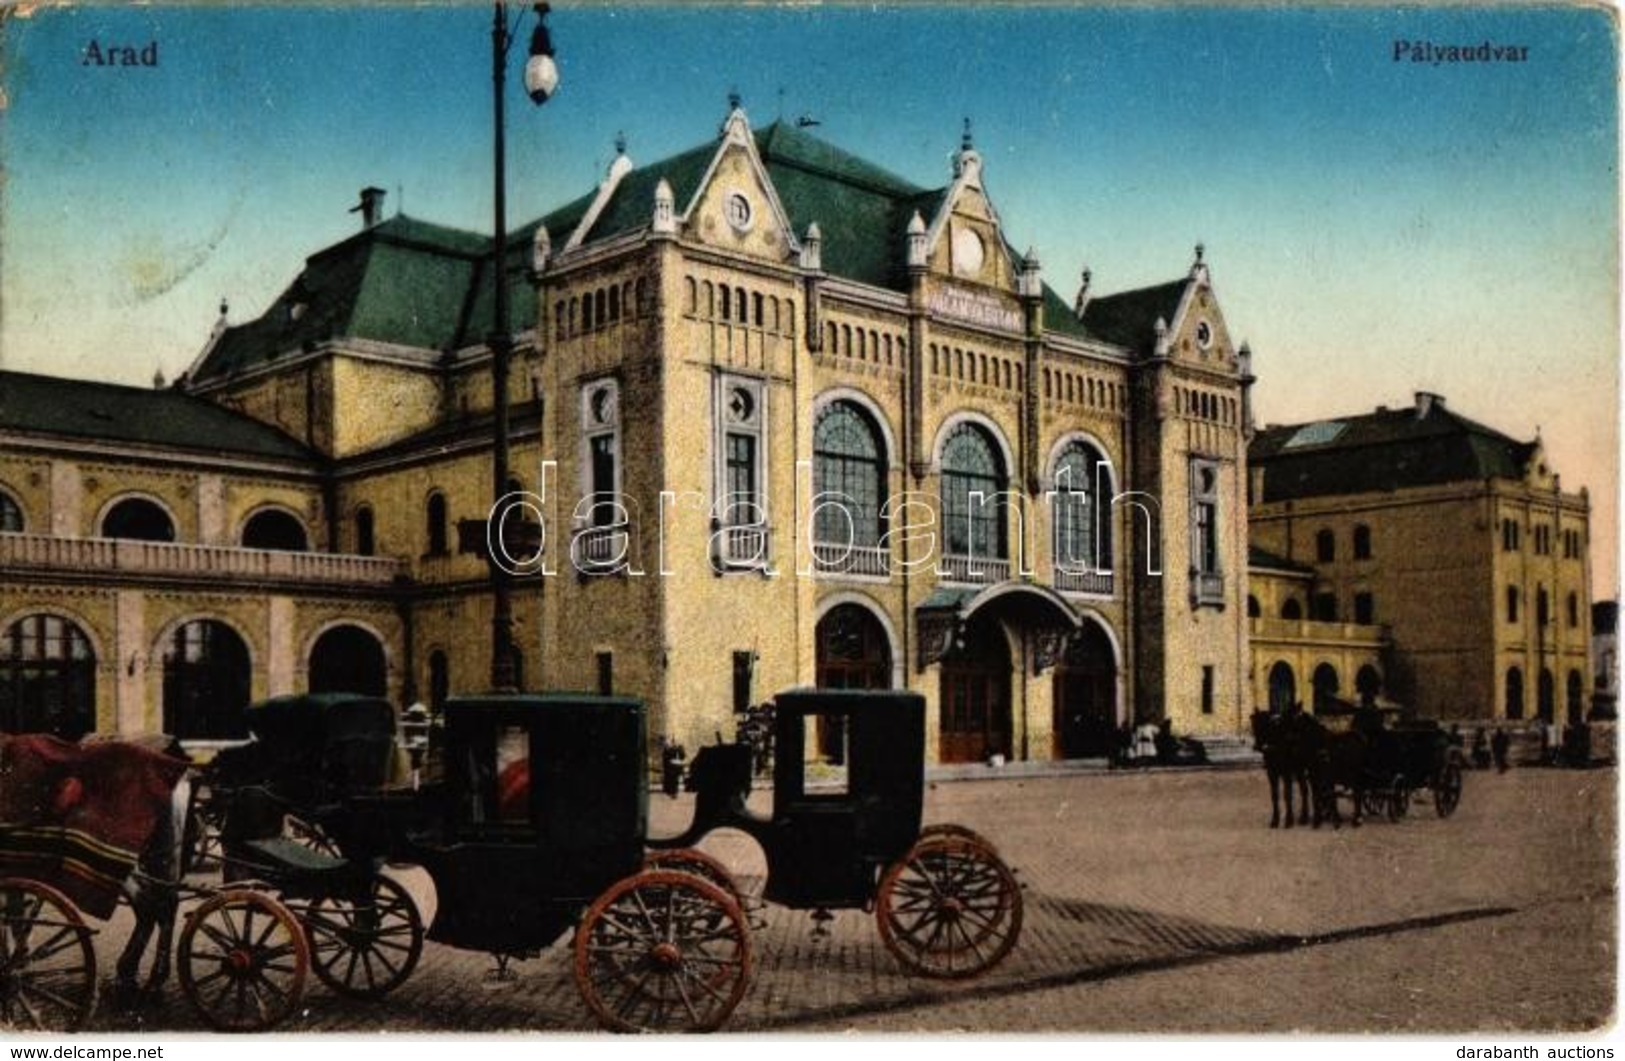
x=1426 y=402
x=371 y=207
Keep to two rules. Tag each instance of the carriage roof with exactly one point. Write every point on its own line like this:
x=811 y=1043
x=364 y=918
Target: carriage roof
x=320 y=717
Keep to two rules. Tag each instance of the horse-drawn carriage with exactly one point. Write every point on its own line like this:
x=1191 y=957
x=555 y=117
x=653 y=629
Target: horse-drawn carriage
x=1407 y=757
x=1377 y=764
x=537 y=824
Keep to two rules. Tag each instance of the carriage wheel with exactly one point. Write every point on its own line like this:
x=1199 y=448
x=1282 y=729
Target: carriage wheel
x=960 y=831
x=694 y=861
x=200 y=846
x=242 y=961
x=311 y=835
x=1399 y=798
x=950 y=909
x=663 y=951
x=1447 y=790
x=364 y=949
x=1374 y=801
x=47 y=966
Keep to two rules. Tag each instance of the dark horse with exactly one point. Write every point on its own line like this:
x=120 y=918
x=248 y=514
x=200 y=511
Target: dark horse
x=1299 y=751
x=1283 y=741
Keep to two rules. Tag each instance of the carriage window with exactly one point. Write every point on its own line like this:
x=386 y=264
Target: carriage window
x=828 y=759
x=498 y=773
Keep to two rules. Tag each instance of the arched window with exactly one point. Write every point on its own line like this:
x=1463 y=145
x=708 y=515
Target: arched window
x=1368 y=683
x=365 y=542
x=206 y=682
x=1283 y=688
x=1325 y=546
x=11 y=515
x=1362 y=542
x=138 y=518
x=439 y=680
x=273 y=528
x=973 y=478
x=1254 y=610
x=853 y=651
x=1574 y=609
x=434 y=513
x=1326 y=686
x=849 y=464
x=1514 y=693
x=1576 y=698
x=47 y=678
x=348 y=659
x=1083 y=532
x=1292 y=609
x=1546 y=696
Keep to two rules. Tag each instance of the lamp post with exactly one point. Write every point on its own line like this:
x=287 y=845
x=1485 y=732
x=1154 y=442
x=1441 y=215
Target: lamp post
x=541 y=79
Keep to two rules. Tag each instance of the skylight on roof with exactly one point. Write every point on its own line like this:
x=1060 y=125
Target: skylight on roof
x=1316 y=434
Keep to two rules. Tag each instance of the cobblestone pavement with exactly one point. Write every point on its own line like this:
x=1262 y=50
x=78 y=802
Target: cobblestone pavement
x=1154 y=902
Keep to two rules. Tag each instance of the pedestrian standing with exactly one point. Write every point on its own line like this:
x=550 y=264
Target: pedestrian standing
x=1498 y=745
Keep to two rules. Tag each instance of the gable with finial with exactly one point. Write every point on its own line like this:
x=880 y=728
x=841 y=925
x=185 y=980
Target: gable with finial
x=1179 y=320
x=964 y=239
x=735 y=206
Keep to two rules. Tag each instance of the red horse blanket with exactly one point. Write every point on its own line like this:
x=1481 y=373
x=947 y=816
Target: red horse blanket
x=77 y=816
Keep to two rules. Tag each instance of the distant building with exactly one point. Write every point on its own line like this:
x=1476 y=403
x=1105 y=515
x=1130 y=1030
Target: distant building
x=1039 y=518
x=1455 y=538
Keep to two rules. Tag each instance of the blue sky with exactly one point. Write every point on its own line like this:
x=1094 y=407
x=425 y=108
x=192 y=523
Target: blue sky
x=1374 y=227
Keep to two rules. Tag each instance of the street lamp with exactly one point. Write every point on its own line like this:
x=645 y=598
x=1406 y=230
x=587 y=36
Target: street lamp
x=541 y=80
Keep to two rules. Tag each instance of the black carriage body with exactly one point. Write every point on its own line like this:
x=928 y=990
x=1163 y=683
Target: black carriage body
x=838 y=822
x=544 y=805
x=313 y=749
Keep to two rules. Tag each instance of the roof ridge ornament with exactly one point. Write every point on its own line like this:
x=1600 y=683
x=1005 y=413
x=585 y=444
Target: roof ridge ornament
x=1081 y=303
x=735 y=127
x=1164 y=343
x=664 y=220
x=541 y=249
x=1199 y=270
x=812 y=257
x=968 y=162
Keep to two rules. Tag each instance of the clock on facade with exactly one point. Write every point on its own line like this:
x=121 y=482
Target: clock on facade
x=968 y=252
x=1204 y=334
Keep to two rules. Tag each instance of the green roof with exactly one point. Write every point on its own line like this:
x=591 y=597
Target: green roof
x=1129 y=318
x=79 y=409
x=425 y=286
x=402 y=281
x=1263 y=558
x=1389 y=449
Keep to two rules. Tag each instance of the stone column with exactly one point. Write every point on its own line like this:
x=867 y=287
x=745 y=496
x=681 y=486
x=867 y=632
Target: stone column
x=282 y=655
x=67 y=495
x=133 y=657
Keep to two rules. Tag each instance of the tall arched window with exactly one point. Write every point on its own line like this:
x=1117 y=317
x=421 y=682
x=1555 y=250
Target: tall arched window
x=1576 y=698
x=1283 y=688
x=1514 y=692
x=138 y=518
x=435 y=517
x=348 y=659
x=273 y=528
x=1291 y=609
x=206 y=682
x=1083 y=533
x=365 y=542
x=1325 y=546
x=1362 y=542
x=439 y=680
x=849 y=476
x=1326 y=686
x=973 y=478
x=1546 y=695
x=11 y=515
x=47 y=678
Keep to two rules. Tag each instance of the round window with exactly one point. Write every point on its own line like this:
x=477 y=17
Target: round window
x=737 y=209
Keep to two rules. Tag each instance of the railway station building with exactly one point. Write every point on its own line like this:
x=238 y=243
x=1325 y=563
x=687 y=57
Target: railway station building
x=783 y=417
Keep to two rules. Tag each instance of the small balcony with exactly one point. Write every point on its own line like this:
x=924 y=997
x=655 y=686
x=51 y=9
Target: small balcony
x=114 y=557
x=1094 y=583
x=744 y=546
x=976 y=570
x=1207 y=588
x=601 y=550
x=842 y=558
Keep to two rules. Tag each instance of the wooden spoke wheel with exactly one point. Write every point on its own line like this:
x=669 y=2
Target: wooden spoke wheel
x=1399 y=798
x=1447 y=790
x=311 y=835
x=663 y=951
x=950 y=909
x=47 y=965
x=1374 y=801
x=960 y=831
x=364 y=949
x=692 y=860
x=242 y=960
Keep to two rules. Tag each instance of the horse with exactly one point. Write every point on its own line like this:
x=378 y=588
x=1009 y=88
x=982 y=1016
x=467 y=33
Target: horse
x=1281 y=740
x=1337 y=762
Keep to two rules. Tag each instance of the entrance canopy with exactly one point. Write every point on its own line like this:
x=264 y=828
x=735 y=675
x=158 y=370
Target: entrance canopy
x=940 y=619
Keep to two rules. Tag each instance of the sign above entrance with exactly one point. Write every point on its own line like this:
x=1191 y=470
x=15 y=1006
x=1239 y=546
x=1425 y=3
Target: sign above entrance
x=958 y=303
